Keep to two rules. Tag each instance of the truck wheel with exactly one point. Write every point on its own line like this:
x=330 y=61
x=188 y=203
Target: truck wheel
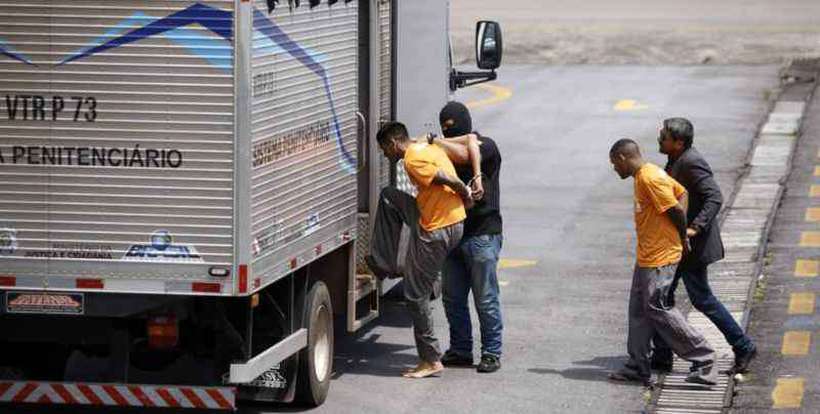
x=316 y=361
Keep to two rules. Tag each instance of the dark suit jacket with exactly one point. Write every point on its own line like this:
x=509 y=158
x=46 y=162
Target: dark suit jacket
x=705 y=200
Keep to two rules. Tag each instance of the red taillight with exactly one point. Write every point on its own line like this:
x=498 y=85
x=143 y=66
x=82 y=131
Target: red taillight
x=8 y=281
x=89 y=284
x=243 y=278
x=163 y=332
x=205 y=287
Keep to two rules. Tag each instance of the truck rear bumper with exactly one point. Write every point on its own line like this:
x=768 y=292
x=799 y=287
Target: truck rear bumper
x=117 y=395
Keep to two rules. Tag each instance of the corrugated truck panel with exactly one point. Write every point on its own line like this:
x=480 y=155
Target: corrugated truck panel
x=117 y=158
x=304 y=129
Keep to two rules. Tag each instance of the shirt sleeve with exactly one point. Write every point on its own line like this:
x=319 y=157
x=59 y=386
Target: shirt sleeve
x=663 y=191
x=419 y=167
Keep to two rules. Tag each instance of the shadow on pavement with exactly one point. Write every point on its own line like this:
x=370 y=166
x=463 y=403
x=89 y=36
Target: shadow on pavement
x=365 y=353
x=600 y=367
x=370 y=357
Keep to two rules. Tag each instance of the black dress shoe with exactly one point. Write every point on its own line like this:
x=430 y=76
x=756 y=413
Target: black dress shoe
x=743 y=359
x=489 y=363
x=627 y=374
x=661 y=365
x=454 y=359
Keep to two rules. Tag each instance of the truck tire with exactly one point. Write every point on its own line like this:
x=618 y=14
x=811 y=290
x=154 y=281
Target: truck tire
x=316 y=360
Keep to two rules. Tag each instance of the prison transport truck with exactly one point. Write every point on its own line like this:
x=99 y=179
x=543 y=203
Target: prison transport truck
x=187 y=189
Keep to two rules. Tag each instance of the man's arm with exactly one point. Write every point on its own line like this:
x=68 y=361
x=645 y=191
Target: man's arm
x=442 y=178
x=703 y=183
x=465 y=150
x=462 y=150
x=678 y=216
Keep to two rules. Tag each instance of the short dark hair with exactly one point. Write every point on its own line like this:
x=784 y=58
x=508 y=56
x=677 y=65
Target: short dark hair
x=624 y=146
x=680 y=129
x=392 y=131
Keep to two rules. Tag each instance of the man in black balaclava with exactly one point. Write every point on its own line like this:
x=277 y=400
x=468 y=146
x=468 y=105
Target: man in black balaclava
x=472 y=265
x=455 y=120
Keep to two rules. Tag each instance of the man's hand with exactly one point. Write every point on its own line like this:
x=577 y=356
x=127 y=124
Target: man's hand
x=466 y=195
x=477 y=188
x=456 y=185
x=690 y=232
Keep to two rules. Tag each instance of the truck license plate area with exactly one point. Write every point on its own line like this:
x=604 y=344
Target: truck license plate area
x=45 y=303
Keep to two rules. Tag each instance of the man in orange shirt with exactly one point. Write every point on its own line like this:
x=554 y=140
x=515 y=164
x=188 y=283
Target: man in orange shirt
x=660 y=222
x=436 y=219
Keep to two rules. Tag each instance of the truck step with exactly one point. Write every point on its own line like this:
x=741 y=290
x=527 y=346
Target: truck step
x=365 y=285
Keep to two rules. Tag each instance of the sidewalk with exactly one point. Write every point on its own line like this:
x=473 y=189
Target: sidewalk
x=739 y=279
x=784 y=322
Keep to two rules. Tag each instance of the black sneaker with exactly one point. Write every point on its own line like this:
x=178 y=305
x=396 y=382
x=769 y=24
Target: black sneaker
x=489 y=363
x=743 y=359
x=704 y=373
x=454 y=359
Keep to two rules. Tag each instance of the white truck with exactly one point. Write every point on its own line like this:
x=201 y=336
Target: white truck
x=187 y=188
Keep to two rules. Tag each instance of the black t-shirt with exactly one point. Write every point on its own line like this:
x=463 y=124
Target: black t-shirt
x=485 y=217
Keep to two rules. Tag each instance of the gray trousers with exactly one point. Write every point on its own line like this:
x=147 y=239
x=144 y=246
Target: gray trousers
x=649 y=313
x=425 y=258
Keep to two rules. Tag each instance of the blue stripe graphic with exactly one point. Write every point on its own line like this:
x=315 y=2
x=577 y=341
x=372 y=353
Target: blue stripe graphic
x=216 y=20
x=268 y=28
x=214 y=50
x=6 y=50
x=137 y=19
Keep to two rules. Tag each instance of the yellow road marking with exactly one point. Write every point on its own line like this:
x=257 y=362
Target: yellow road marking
x=629 y=105
x=815 y=191
x=817 y=171
x=806 y=268
x=801 y=303
x=813 y=214
x=788 y=393
x=500 y=94
x=796 y=343
x=810 y=239
x=515 y=263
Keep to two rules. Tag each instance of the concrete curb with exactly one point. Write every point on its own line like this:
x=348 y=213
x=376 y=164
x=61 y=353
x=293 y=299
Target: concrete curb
x=746 y=224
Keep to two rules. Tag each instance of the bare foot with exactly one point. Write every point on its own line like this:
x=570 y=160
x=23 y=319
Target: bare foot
x=424 y=369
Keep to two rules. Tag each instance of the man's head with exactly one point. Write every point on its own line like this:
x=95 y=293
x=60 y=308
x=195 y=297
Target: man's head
x=625 y=156
x=455 y=120
x=393 y=139
x=675 y=136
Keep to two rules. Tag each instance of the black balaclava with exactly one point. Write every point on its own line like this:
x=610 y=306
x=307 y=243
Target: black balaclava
x=458 y=113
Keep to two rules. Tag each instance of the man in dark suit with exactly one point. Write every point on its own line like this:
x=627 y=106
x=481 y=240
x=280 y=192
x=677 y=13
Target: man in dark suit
x=687 y=166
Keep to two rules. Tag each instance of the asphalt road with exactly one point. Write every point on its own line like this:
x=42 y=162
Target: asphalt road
x=565 y=209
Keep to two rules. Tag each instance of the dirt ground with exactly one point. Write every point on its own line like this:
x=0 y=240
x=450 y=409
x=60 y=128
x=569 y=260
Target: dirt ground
x=646 y=32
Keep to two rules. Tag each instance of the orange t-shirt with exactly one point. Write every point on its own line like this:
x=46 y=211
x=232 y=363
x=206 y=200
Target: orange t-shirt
x=656 y=192
x=439 y=205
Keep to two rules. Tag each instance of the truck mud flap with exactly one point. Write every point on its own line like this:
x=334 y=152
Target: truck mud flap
x=117 y=395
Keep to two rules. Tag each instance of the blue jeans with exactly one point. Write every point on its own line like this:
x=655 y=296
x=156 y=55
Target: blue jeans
x=473 y=266
x=695 y=279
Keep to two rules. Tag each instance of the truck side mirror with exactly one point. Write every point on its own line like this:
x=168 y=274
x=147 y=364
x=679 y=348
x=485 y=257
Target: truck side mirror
x=489 y=46
x=488 y=50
